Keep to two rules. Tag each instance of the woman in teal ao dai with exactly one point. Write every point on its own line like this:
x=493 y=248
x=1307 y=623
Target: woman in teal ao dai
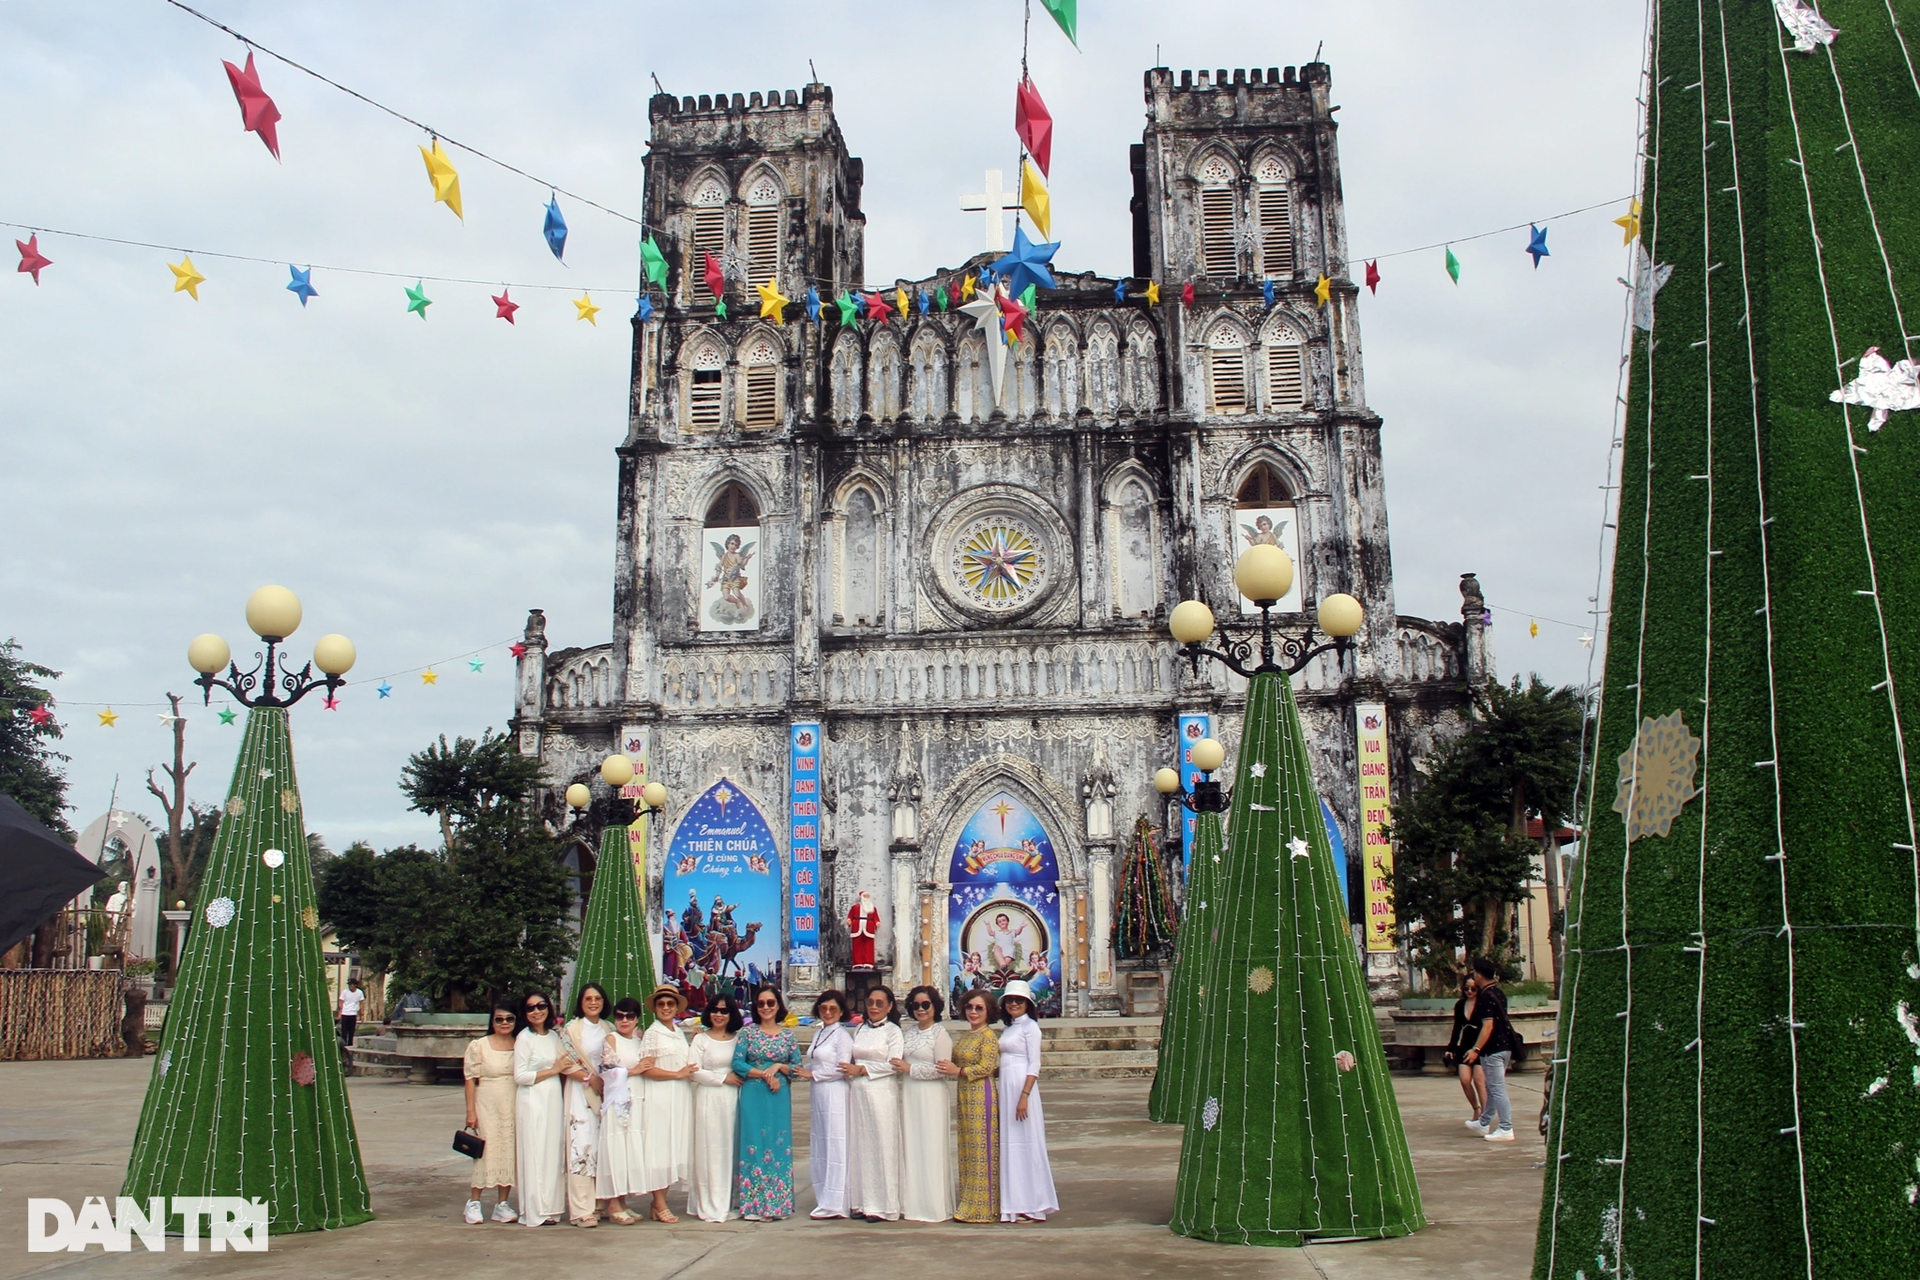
x=763 y=1164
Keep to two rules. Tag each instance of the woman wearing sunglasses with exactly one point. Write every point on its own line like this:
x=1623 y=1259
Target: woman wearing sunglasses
x=873 y=1112
x=716 y=1111
x=585 y=1034
x=975 y=1067
x=765 y=1055
x=664 y=1099
x=540 y=1118
x=490 y=1094
x=622 y=1153
x=926 y=1112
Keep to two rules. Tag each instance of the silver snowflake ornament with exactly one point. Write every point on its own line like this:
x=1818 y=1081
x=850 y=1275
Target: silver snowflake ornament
x=166 y=1061
x=1881 y=386
x=1210 y=1114
x=273 y=858
x=220 y=912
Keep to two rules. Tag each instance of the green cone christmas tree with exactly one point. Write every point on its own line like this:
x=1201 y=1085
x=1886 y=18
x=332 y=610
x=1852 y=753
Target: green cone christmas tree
x=614 y=950
x=1295 y=1134
x=248 y=1097
x=1170 y=1102
x=1737 y=1091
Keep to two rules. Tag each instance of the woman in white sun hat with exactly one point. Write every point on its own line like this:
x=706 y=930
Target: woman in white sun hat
x=1026 y=1176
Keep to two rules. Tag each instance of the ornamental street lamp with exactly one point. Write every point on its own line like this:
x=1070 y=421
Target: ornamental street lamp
x=273 y=614
x=617 y=771
x=1207 y=796
x=1264 y=574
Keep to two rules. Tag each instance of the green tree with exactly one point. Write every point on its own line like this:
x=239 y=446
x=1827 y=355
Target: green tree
x=29 y=767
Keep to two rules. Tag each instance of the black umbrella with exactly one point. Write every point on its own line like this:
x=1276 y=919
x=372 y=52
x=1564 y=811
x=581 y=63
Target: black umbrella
x=39 y=872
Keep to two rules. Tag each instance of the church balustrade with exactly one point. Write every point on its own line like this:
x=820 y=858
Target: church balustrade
x=1428 y=651
x=963 y=674
x=694 y=682
x=580 y=680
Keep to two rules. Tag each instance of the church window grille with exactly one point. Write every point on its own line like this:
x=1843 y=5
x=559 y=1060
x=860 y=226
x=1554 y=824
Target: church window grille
x=732 y=508
x=845 y=379
x=1263 y=487
x=1226 y=372
x=709 y=235
x=1219 y=256
x=706 y=383
x=1287 y=390
x=762 y=374
x=763 y=231
x=1274 y=208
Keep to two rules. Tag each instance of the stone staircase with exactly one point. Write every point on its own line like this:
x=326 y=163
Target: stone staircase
x=1098 y=1048
x=377 y=1055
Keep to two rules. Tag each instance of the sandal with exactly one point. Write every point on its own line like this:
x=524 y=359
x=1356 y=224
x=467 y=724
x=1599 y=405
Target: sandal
x=664 y=1215
x=622 y=1217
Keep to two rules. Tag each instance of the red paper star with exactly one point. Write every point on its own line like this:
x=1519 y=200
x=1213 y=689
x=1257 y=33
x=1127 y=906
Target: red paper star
x=716 y=278
x=503 y=306
x=257 y=112
x=332 y=703
x=1373 y=277
x=1034 y=123
x=878 y=308
x=31 y=259
x=39 y=716
x=1186 y=294
x=517 y=650
x=1012 y=315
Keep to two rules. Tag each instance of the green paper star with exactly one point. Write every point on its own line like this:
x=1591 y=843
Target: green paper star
x=417 y=299
x=940 y=298
x=474 y=664
x=1030 y=297
x=1453 y=265
x=226 y=715
x=849 y=309
x=655 y=260
x=720 y=308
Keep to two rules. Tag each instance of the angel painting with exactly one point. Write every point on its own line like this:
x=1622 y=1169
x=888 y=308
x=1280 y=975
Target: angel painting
x=731 y=559
x=1263 y=532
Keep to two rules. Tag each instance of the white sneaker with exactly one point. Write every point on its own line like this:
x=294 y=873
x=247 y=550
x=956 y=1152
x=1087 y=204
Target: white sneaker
x=473 y=1213
x=1477 y=1126
x=500 y=1212
x=1501 y=1135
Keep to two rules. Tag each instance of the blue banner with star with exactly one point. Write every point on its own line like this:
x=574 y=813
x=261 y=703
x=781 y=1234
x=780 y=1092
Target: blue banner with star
x=1192 y=727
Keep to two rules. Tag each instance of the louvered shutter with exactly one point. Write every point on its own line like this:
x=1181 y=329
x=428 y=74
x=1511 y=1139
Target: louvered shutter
x=1217 y=257
x=1286 y=378
x=709 y=237
x=703 y=401
x=763 y=395
x=1228 y=368
x=1276 y=232
x=763 y=243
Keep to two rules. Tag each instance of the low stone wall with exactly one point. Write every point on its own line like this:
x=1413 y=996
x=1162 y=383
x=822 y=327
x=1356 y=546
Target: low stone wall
x=59 y=1013
x=1420 y=1034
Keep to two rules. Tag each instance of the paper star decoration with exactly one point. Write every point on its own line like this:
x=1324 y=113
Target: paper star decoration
x=1120 y=289
x=720 y=308
x=923 y=300
x=1648 y=280
x=1186 y=294
x=445 y=178
x=257 y=112
x=715 y=277
x=1266 y=291
x=1153 y=293
x=166 y=719
x=986 y=318
x=878 y=308
x=1883 y=386
x=417 y=300
x=1035 y=199
x=1453 y=265
x=584 y=305
x=1323 y=291
x=1629 y=224
x=39 y=716
x=384 y=689
x=555 y=227
x=504 y=306
x=1805 y=26
x=656 y=261
x=645 y=311
x=966 y=282
x=1373 y=277
x=301 y=286
x=849 y=308
x=429 y=676
x=1028 y=264
x=1064 y=13
x=1258 y=769
x=517 y=649
x=773 y=303
x=1533 y=628
x=330 y=702
x=474 y=664
x=1586 y=642
x=1013 y=316
x=813 y=304
x=942 y=299
x=31 y=259
x=226 y=715
x=900 y=304
x=107 y=717
x=1034 y=123
x=1297 y=847
x=1537 y=246
x=186 y=277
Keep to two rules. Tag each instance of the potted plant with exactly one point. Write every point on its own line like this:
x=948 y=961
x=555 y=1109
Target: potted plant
x=139 y=970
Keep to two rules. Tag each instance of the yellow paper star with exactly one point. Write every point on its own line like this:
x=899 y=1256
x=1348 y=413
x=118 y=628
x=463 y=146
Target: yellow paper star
x=966 y=287
x=1629 y=224
x=1323 y=291
x=1153 y=293
x=445 y=178
x=185 y=276
x=1533 y=628
x=584 y=305
x=429 y=676
x=107 y=717
x=900 y=303
x=773 y=303
x=1035 y=200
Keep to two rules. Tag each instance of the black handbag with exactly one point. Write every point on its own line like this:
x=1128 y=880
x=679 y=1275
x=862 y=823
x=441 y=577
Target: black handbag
x=469 y=1143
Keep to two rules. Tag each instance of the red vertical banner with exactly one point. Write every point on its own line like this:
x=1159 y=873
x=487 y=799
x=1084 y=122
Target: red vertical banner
x=1376 y=849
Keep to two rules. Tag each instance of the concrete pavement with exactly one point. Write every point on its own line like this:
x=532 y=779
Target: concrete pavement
x=66 y=1127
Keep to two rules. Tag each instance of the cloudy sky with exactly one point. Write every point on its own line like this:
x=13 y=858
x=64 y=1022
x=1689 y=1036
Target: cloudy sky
x=421 y=485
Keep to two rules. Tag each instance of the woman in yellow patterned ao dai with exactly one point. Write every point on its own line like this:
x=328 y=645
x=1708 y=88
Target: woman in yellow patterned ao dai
x=975 y=1066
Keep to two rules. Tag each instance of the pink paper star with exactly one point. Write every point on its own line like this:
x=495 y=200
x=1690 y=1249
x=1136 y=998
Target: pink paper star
x=1012 y=315
x=31 y=259
x=517 y=650
x=503 y=306
x=332 y=703
x=257 y=112
x=39 y=716
x=878 y=308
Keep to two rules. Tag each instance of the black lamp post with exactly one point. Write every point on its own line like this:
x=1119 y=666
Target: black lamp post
x=1264 y=574
x=273 y=613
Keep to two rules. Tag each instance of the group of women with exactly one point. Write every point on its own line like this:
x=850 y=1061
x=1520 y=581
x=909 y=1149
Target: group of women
x=582 y=1116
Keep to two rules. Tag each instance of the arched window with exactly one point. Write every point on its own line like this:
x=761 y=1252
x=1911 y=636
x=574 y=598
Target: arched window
x=1021 y=399
x=1136 y=587
x=764 y=226
x=1226 y=370
x=844 y=377
x=1063 y=373
x=1286 y=369
x=1218 y=256
x=1103 y=372
x=928 y=369
x=883 y=377
x=1264 y=512
x=973 y=392
x=1142 y=375
x=708 y=234
x=861 y=554
x=760 y=389
x=731 y=562
x=1273 y=205
x=705 y=382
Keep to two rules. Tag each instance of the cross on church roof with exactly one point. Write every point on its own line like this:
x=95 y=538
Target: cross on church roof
x=994 y=203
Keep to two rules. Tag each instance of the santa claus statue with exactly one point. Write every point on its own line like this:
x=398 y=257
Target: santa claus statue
x=863 y=926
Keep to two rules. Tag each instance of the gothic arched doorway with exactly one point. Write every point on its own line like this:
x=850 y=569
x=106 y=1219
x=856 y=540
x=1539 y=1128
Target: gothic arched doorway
x=1003 y=918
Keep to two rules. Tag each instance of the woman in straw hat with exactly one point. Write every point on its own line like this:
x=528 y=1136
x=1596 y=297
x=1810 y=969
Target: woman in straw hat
x=1026 y=1175
x=663 y=1101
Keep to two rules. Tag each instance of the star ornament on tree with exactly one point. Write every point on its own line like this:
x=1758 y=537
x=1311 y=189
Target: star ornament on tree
x=1629 y=223
x=301 y=286
x=1028 y=264
x=504 y=306
x=257 y=112
x=1297 y=848
x=31 y=259
x=1537 y=246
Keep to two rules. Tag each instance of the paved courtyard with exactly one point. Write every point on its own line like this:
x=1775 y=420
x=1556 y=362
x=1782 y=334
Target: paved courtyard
x=65 y=1130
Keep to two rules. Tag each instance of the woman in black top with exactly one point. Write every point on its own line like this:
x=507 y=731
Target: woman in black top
x=1473 y=1076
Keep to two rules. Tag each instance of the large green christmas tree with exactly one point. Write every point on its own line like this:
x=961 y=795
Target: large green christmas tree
x=1738 y=1084
x=614 y=950
x=1293 y=1132
x=1169 y=1102
x=248 y=1097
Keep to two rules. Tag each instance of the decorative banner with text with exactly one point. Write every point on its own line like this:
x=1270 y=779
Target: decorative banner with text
x=1192 y=728
x=1376 y=848
x=634 y=741
x=803 y=847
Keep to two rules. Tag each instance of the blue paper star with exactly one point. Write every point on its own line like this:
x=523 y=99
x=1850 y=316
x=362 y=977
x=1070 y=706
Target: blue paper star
x=302 y=285
x=385 y=690
x=1120 y=289
x=1027 y=264
x=1266 y=291
x=646 y=308
x=474 y=664
x=556 y=228
x=813 y=304
x=1538 y=246
x=926 y=303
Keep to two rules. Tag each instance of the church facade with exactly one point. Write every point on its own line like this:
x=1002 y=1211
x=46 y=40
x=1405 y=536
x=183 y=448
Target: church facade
x=882 y=635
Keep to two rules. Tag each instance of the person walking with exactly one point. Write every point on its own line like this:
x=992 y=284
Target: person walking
x=1473 y=1076
x=765 y=1056
x=585 y=1036
x=975 y=1066
x=350 y=1001
x=488 y=1068
x=832 y=1049
x=716 y=1111
x=1492 y=1049
x=926 y=1112
x=539 y=1113
x=1026 y=1188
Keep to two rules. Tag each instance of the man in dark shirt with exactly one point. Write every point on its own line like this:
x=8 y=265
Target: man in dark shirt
x=1492 y=1049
